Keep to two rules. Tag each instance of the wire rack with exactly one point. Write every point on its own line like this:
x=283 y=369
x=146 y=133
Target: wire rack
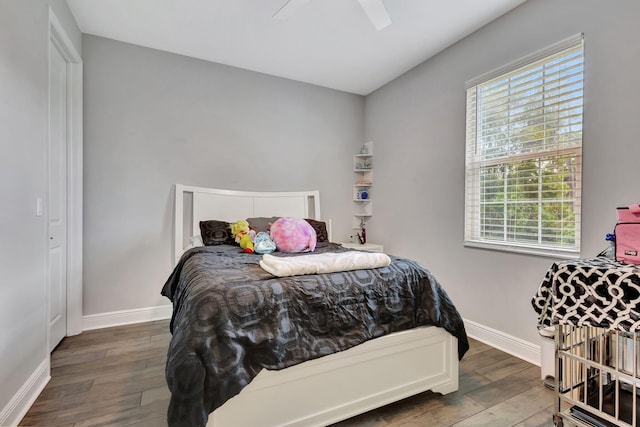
x=597 y=377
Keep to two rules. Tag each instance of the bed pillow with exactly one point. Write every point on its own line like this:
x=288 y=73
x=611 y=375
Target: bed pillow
x=321 y=229
x=262 y=223
x=215 y=232
x=293 y=235
x=194 y=242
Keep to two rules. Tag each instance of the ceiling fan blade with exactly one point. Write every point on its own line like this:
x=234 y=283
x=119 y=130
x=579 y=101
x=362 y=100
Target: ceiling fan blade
x=376 y=12
x=289 y=8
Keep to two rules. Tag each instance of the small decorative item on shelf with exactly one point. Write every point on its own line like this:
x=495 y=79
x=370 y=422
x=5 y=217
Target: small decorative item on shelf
x=365 y=164
x=364 y=150
x=363 y=194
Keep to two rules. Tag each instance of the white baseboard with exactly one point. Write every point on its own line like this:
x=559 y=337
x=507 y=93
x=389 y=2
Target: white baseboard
x=515 y=346
x=126 y=317
x=19 y=405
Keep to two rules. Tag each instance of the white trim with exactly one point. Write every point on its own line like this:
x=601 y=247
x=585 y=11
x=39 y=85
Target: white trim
x=61 y=40
x=515 y=346
x=178 y=222
x=59 y=36
x=74 y=208
x=127 y=317
x=533 y=57
x=526 y=250
x=20 y=403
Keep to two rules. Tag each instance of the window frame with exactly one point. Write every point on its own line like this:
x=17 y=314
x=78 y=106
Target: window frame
x=472 y=215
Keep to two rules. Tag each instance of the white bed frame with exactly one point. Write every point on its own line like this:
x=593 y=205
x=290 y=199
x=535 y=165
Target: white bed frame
x=335 y=387
x=195 y=204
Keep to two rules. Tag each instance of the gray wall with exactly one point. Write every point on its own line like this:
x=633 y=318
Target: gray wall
x=418 y=125
x=153 y=119
x=24 y=36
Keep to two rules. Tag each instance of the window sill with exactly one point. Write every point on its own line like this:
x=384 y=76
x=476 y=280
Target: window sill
x=505 y=247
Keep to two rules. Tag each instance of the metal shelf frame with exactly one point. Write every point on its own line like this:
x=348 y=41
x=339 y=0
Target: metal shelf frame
x=597 y=377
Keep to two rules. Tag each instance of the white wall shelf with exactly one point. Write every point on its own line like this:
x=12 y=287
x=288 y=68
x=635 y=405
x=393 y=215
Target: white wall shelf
x=362 y=186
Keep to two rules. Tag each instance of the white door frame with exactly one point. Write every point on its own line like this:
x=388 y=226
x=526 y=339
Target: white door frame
x=70 y=54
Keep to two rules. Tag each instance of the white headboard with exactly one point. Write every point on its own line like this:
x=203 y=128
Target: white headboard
x=195 y=204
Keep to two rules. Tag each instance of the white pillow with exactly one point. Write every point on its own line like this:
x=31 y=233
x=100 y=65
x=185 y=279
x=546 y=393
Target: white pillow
x=194 y=242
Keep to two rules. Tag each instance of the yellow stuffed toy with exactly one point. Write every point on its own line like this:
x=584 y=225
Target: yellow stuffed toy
x=243 y=235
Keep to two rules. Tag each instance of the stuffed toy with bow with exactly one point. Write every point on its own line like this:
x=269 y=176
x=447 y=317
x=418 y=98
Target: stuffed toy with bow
x=243 y=235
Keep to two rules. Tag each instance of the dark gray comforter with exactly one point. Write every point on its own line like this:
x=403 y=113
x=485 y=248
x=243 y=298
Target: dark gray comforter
x=231 y=319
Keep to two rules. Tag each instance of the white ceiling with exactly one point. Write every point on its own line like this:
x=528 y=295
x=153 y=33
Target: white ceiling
x=330 y=43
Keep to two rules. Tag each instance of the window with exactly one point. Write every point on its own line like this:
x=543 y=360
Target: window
x=524 y=153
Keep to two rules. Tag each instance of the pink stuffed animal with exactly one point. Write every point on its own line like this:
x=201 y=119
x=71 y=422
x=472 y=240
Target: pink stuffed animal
x=293 y=235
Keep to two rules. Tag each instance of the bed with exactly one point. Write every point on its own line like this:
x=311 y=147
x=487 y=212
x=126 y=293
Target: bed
x=251 y=349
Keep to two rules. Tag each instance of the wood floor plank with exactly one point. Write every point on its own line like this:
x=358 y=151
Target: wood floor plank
x=157 y=361
x=90 y=338
x=477 y=347
x=76 y=358
x=161 y=336
x=469 y=381
x=392 y=412
x=89 y=374
x=131 y=376
x=67 y=352
x=363 y=420
x=502 y=389
x=156 y=347
x=79 y=410
x=512 y=411
x=541 y=419
x=483 y=359
x=161 y=421
x=139 y=385
x=115 y=377
x=449 y=410
x=53 y=393
x=154 y=394
x=84 y=403
x=102 y=366
x=503 y=368
x=127 y=417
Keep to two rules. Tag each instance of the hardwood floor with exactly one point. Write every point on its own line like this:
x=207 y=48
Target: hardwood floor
x=115 y=377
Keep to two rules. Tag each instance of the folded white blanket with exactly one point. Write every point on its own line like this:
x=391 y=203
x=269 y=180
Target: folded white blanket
x=323 y=263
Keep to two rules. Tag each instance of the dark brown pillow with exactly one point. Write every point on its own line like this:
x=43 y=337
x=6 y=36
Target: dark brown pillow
x=216 y=233
x=262 y=223
x=321 y=230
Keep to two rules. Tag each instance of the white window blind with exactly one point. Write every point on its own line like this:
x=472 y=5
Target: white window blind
x=524 y=153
